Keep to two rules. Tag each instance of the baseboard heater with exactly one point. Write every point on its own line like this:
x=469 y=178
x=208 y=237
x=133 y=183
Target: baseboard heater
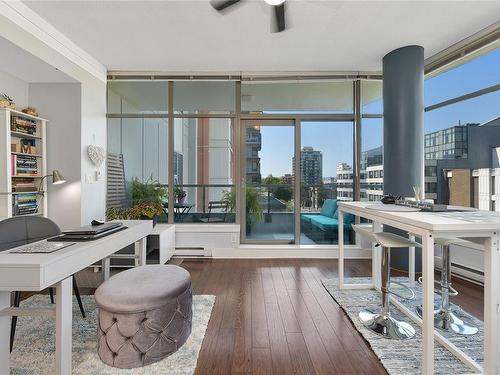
x=463 y=272
x=466 y=273
x=190 y=252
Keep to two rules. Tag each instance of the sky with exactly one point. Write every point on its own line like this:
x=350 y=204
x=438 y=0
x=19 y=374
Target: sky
x=335 y=140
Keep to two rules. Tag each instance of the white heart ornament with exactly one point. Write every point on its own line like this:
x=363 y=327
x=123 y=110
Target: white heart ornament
x=96 y=154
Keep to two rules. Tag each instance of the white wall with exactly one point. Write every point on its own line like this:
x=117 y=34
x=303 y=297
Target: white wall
x=27 y=30
x=77 y=115
x=60 y=103
x=93 y=132
x=16 y=88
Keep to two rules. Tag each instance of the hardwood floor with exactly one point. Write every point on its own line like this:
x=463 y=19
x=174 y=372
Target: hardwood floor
x=275 y=317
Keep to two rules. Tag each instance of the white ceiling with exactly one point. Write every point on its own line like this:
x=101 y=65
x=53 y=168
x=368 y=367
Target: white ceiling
x=23 y=65
x=322 y=35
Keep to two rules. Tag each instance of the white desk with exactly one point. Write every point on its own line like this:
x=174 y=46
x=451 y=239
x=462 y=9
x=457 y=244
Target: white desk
x=477 y=226
x=35 y=272
x=165 y=238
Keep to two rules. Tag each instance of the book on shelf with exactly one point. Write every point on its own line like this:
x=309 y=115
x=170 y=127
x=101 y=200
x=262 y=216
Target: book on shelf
x=25 y=204
x=23 y=125
x=20 y=185
x=23 y=165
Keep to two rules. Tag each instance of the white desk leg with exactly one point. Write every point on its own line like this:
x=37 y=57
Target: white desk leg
x=376 y=258
x=492 y=306
x=411 y=262
x=4 y=334
x=140 y=251
x=428 y=304
x=64 y=315
x=106 y=265
x=341 y=247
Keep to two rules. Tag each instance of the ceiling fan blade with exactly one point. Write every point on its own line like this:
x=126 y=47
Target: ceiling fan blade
x=221 y=5
x=279 y=13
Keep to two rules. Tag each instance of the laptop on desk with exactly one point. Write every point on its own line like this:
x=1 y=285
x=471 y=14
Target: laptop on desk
x=94 y=229
x=89 y=232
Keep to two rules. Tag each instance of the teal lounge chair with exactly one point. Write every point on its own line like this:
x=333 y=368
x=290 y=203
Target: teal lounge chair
x=325 y=224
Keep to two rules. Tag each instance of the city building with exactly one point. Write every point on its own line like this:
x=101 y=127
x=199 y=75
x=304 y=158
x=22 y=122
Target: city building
x=452 y=151
x=253 y=143
x=344 y=182
x=311 y=166
x=371 y=177
x=372 y=174
x=455 y=156
x=288 y=179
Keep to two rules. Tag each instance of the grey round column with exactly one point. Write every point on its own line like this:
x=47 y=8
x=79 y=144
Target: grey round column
x=403 y=91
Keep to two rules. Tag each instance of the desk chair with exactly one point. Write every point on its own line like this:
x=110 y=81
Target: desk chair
x=21 y=230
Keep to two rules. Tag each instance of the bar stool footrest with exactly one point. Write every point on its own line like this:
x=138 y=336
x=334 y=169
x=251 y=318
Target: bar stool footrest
x=412 y=297
x=436 y=283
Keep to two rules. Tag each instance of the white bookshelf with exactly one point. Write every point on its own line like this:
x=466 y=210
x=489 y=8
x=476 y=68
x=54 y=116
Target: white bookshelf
x=8 y=180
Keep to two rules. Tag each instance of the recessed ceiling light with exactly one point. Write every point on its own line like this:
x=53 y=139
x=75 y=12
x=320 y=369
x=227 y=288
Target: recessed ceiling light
x=274 y=2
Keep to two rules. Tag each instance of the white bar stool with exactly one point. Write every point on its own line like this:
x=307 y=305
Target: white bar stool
x=444 y=318
x=382 y=322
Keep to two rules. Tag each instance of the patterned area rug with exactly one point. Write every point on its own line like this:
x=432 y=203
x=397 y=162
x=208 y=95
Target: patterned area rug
x=34 y=347
x=405 y=357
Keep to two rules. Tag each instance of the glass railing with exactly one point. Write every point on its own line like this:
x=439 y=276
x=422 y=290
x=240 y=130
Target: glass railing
x=204 y=203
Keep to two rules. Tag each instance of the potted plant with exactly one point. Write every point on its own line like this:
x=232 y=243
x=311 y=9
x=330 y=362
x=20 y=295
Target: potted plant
x=151 y=191
x=116 y=213
x=141 y=211
x=179 y=195
x=253 y=208
x=146 y=211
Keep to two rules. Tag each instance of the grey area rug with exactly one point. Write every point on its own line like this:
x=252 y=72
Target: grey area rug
x=405 y=357
x=34 y=347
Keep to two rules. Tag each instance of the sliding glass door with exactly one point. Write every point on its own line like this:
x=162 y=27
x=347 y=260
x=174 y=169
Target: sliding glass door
x=268 y=193
x=293 y=173
x=326 y=164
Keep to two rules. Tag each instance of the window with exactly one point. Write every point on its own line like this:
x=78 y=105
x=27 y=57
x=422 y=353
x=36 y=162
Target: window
x=471 y=76
x=371 y=97
x=320 y=164
x=430 y=187
x=137 y=97
x=200 y=97
x=205 y=147
x=202 y=160
x=142 y=146
x=372 y=155
x=459 y=135
x=293 y=97
x=430 y=171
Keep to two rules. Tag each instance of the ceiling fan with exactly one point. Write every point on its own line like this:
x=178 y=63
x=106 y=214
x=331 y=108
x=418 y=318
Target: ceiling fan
x=278 y=7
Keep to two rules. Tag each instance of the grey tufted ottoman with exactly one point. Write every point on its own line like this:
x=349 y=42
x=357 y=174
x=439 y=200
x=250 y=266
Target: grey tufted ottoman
x=144 y=315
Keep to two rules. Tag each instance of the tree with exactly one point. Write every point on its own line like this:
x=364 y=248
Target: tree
x=282 y=191
x=271 y=180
